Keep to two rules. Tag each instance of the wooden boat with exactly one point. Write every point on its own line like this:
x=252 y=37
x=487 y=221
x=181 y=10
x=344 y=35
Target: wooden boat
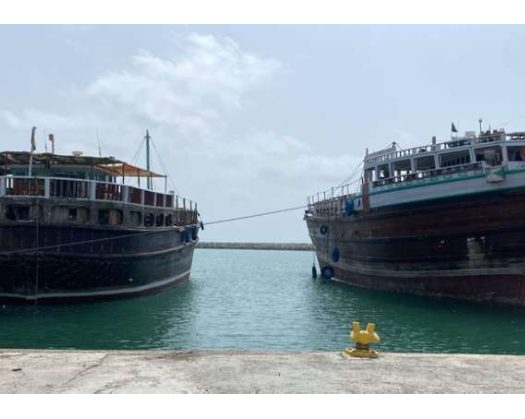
x=443 y=219
x=72 y=230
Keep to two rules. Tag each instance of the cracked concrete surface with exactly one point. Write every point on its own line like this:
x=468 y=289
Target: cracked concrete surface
x=51 y=371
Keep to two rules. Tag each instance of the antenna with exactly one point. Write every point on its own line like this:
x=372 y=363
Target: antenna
x=148 y=158
x=33 y=148
x=99 y=148
x=480 y=120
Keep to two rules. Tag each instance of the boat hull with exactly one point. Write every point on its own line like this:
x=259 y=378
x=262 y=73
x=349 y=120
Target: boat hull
x=66 y=264
x=471 y=249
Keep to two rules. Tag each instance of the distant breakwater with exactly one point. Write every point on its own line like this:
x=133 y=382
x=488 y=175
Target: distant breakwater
x=255 y=246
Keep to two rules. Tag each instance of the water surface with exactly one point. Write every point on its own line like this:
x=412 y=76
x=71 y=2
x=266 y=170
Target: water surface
x=264 y=300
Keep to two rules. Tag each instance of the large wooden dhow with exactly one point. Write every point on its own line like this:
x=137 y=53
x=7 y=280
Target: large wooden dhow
x=73 y=231
x=444 y=219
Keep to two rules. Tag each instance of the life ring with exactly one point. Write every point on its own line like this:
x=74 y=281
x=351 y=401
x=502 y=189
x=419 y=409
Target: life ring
x=323 y=229
x=327 y=272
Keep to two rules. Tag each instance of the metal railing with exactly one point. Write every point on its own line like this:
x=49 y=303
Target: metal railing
x=446 y=145
x=332 y=202
x=79 y=189
x=429 y=174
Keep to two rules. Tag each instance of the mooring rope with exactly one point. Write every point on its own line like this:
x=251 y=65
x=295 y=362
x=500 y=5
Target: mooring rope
x=39 y=248
x=261 y=214
x=37 y=217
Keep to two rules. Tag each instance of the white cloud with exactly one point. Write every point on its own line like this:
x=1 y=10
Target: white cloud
x=206 y=81
x=195 y=103
x=10 y=119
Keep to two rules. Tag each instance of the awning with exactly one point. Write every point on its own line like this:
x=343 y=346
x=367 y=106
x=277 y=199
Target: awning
x=108 y=164
x=126 y=169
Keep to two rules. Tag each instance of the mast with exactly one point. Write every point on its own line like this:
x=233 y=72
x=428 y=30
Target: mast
x=33 y=148
x=148 y=159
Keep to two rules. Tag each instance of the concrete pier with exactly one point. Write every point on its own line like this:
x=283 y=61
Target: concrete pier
x=50 y=371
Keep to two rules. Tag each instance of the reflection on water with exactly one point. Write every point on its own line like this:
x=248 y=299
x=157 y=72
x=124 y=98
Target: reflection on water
x=243 y=299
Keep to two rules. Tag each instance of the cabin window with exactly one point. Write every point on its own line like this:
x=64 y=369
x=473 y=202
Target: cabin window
x=490 y=155
x=135 y=218
x=402 y=167
x=73 y=214
x=516 y=153
x=383 y=171
x=169 y=220
x=61 y=214
x=17 y=212
x=149 y=220
x=456 y=158
x=116 y=217
x=103 y=217
x=110 y=217
x=425 y=163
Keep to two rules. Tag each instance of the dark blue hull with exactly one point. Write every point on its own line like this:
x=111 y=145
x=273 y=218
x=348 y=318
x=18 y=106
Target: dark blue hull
x=74 y=264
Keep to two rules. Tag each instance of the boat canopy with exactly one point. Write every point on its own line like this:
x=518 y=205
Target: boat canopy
x=108 y=164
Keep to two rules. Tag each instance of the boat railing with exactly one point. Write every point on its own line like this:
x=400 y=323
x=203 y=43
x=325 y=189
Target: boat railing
x=331 y=202
x=445 y=171
x=333 y=192
x=89 y=190
x=446 y=145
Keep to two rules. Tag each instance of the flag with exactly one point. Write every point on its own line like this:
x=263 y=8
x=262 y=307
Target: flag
x=453 y=128
x=33 y=144
x=52 y=141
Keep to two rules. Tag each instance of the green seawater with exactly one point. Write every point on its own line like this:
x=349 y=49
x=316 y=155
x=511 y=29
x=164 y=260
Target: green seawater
x=265 y=300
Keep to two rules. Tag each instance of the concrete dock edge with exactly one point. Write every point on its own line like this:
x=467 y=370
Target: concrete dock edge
x=218 y=372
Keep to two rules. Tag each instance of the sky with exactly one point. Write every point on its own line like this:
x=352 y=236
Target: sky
x=254 y=118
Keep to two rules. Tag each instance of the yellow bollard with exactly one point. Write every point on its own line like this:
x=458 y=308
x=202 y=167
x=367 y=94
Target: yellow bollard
x=363 y=339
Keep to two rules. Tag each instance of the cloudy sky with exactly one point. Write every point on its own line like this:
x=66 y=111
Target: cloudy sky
x=248 y=119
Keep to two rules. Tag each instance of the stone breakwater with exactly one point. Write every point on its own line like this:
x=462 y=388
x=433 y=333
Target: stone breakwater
x=255 y=246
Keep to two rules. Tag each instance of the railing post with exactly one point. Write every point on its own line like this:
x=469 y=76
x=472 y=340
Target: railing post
x=142 y=196
x=93 y=190
x=125 y=193
x=2 y=186
x=47 y=187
